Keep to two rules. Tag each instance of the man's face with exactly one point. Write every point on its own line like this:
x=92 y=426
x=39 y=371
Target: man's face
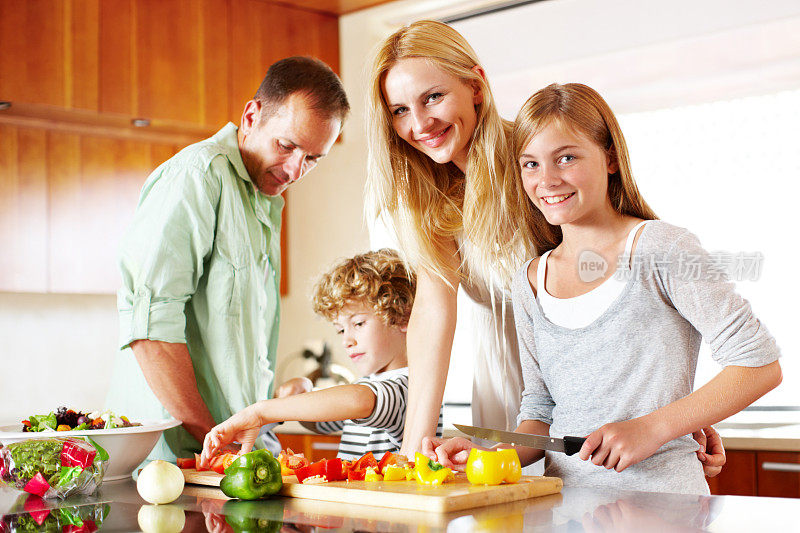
x=281 y=145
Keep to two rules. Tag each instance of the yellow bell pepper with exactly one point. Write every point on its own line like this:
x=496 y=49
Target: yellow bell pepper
x=372 y=475
x=428 y=472
x=492 y=467
x=395 y=473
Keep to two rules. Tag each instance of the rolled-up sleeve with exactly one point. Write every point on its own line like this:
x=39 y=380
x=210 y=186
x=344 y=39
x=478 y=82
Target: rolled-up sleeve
x=163 y=253
x=536 y=403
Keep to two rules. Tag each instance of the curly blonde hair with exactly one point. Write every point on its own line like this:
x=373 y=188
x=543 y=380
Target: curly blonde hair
x=378 y=279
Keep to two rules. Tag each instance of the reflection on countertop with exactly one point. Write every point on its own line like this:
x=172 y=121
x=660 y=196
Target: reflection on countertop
x=575 y=509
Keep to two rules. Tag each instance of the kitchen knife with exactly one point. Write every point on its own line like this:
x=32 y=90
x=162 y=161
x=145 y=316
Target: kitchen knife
x=567 y=445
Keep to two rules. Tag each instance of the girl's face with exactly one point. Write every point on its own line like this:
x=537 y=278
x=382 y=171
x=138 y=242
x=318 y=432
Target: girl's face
x=431 y=110
x=565 y=175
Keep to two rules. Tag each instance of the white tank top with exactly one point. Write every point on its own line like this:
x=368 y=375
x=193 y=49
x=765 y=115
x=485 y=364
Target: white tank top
x=582 y=310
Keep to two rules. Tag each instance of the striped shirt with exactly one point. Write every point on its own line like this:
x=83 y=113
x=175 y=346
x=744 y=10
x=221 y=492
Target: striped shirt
x=381 y=431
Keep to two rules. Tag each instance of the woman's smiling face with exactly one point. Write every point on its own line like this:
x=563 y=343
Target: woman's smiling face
x=431 y=110
x=565 y=174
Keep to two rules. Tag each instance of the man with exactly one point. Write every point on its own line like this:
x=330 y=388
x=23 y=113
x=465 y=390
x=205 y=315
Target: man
x=199 y=306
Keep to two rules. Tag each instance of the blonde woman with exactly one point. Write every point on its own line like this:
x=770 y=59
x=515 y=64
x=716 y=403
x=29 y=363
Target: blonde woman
x=440 y=178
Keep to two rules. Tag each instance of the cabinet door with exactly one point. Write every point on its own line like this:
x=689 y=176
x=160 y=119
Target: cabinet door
x=264 y=33
x=49 y=52
x=738 y=476
x=23 y=209
x=779 y=474
x=165 y=61
x=94 y=185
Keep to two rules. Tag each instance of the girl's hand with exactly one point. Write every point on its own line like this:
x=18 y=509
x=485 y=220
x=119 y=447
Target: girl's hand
x=242 y=427
x=450 y=453
x=711 y=452
x=621 y=444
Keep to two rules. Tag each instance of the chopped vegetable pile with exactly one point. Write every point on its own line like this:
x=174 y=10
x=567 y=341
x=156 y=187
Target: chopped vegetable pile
x=64 y=419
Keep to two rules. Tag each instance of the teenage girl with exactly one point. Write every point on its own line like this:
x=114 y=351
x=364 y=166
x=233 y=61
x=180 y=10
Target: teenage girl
x=614 y=358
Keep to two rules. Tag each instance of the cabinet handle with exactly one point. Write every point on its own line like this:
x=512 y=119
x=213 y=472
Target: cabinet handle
x=324 y=446
x=780 y=467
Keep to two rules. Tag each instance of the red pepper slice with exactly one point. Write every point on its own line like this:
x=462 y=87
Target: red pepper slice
x=186 y=462
x=37 y=485
x=87 y=527
x=334 y=470
x=356 y=475
x=35 y=507
x=364 y=461
x=77 y=453
x=391 y=458
x=314 y=469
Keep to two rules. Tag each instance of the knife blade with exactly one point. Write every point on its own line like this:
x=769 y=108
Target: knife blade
x=567 y=445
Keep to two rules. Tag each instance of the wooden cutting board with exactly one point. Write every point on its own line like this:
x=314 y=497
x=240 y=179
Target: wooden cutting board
x=454 y=496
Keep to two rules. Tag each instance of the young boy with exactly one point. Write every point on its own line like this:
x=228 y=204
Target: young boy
x=368 y=299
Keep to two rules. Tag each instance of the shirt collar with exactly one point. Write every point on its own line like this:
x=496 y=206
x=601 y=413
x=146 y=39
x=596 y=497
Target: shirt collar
x=228 y=139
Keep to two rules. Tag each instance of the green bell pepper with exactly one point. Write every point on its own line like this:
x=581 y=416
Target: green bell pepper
x=252 y=476
x=254 y=517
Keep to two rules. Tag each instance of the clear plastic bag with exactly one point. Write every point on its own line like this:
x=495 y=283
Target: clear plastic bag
x=53 y=467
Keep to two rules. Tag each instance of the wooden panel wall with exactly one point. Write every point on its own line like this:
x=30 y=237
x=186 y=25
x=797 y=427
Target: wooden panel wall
x=71 y=166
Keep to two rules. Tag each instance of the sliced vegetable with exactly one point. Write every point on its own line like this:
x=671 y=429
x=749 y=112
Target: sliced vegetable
x=186 y=462
x=38 y=485
x=77 y=453
x=291 y=461
x=313 y=470
x=391 y=458
x=372 y=474
x=429 y=472
x=252 y=476
x=493 y=467
x=397 y=473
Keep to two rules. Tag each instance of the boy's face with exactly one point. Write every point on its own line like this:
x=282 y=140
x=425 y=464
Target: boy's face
x=370 y=343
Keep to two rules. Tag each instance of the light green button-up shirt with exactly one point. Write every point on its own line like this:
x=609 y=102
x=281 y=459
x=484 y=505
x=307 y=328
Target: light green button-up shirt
x=201 y=266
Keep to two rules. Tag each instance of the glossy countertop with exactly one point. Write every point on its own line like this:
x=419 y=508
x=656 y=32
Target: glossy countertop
x=574 y=510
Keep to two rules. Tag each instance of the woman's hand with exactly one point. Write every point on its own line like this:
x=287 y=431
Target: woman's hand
x=621 y=444
x=451 y=453
x=242 y=427
x=711 y=452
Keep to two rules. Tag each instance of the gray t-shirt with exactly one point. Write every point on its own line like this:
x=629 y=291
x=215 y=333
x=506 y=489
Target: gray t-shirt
x=638 y=356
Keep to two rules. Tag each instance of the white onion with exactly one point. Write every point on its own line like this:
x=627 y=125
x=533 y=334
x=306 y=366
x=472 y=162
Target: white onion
x=160 y=482
x=161 y=519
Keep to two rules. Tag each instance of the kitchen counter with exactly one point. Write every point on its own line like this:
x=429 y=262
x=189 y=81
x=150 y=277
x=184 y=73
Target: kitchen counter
x=575 y=509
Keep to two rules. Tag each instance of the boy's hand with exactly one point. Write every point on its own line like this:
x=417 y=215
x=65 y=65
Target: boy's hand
x=293 y=386
x=450 y=453
x=621 y=444
x=242 y=427
x=711 y=452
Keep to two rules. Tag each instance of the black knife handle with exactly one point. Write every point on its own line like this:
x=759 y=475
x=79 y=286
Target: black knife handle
x=572 y=445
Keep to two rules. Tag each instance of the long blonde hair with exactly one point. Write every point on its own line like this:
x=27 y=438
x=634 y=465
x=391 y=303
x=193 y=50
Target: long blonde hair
x=581 y=108
x=430 y=203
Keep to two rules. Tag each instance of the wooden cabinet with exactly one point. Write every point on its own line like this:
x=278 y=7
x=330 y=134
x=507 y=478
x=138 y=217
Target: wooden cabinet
x=779 y=474
x=314 y=447
x=77 y=72
x=193 y=62
x=67 y=199
x=757 y=473
x=738 y=476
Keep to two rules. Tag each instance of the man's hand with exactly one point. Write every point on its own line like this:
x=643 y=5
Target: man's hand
x=711 y=452
x=294 y=386
x=620 y=444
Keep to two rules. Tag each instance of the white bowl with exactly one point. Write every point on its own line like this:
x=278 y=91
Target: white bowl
x=126 y=447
